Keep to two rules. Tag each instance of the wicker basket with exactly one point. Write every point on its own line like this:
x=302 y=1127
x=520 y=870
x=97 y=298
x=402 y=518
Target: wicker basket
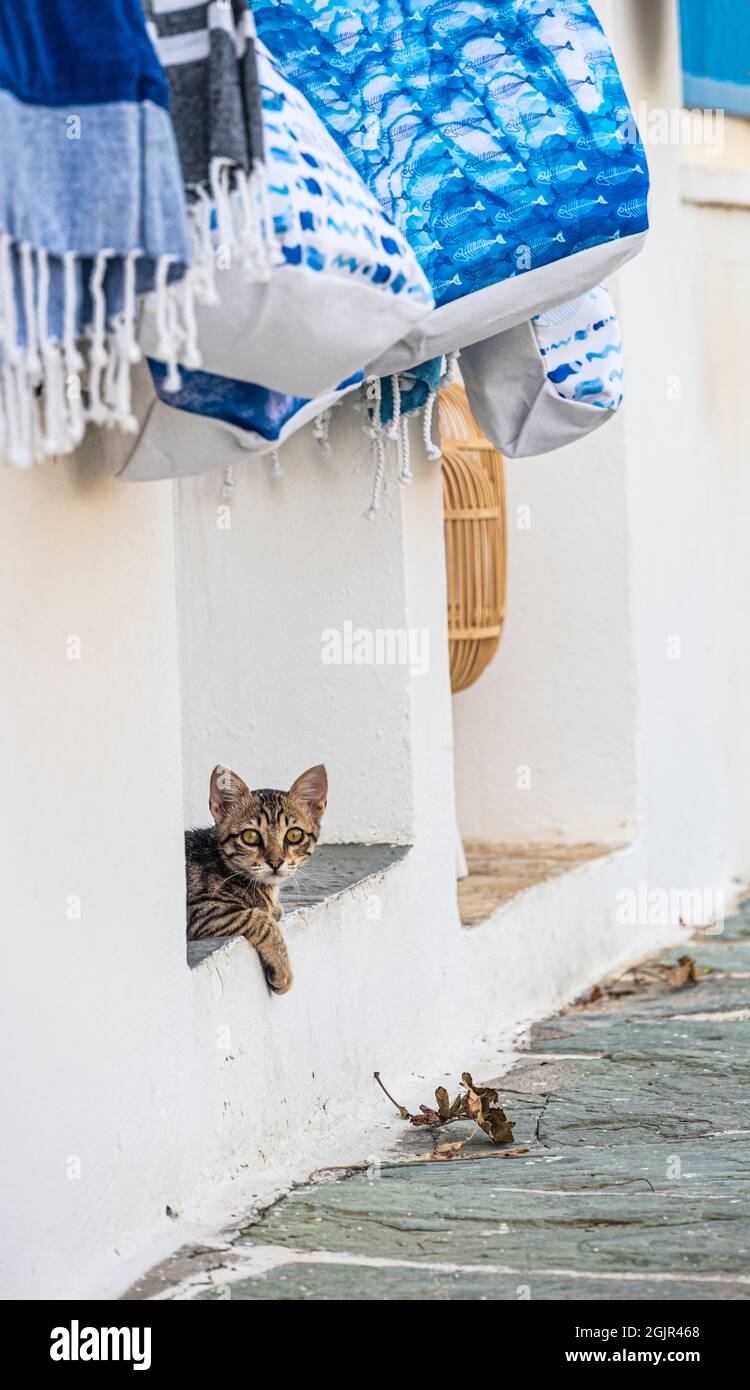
x=475 y=539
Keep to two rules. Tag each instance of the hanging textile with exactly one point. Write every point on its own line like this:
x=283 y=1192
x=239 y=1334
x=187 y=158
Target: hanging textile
x=208 y=55
x=497 y=137
x=92 y=215
x=213 y=420
x=549 y=382
x=344 y=283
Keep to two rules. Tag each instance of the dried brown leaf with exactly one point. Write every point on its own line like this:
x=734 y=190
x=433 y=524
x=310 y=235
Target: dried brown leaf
x=497 y=1127
x=477 y=1103
x=443 y=1102
x=685 y=972
x=472 y=1105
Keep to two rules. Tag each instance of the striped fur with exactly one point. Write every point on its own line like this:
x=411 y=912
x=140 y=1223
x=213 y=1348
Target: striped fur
x=236 y=867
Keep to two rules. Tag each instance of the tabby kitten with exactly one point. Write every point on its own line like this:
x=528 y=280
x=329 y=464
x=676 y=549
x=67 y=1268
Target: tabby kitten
x=235 y=868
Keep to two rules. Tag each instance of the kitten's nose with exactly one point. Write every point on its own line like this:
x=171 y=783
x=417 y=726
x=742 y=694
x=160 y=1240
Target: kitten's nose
x=275 y=864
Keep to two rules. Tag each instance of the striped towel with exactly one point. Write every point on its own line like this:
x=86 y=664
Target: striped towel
x=207 y=52
x=92 y=215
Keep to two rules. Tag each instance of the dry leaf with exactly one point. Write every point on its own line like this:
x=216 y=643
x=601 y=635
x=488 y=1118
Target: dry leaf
x=478 y=1103
x=497 y=1127
x=639 y=979
x=443 y=1102
x=685 y=972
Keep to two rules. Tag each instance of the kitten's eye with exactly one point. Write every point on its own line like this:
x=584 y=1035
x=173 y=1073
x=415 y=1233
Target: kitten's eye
x=250 y=837
x=294 y=836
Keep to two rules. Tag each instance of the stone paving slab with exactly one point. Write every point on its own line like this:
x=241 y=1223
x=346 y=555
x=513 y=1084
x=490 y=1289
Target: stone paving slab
x=629 y=1177
x=332 y=1283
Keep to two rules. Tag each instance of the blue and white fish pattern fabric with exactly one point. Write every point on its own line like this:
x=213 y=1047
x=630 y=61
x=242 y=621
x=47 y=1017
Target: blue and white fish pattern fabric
x=581 y=347
x=344 y=282
x=497 y=136
x=549 y=382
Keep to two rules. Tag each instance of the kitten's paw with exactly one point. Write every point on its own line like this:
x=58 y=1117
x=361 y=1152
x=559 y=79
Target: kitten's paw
x=278 y=977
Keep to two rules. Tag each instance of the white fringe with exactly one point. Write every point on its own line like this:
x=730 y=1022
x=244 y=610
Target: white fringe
x=49 y=389
x=276 y=469
x=378 y=451
x=449 y=374
x=374 y=431
x=228 y=482
x=166 y=325
x=406 y=476
x=244 y=226
x=394 y=427
x=99 y=356
x=320 y=430
x=432 y=451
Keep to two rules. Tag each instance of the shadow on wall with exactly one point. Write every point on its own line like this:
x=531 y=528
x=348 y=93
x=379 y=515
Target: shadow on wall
x=650 y=22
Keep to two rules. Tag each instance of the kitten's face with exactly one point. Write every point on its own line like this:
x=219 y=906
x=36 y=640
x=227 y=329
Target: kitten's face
x=266 y=835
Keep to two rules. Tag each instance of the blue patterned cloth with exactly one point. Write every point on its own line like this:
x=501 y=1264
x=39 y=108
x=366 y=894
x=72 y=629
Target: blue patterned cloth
x=344 y=283
x=497 y=136
x=415 y=388
x=92 y=214
x=581 y=347
x=269 y=415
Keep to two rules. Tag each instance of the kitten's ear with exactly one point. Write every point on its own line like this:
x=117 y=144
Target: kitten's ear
x=226 y=790
x=312 y=788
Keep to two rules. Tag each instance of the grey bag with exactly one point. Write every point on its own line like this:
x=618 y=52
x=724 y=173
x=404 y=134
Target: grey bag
x=548 y=382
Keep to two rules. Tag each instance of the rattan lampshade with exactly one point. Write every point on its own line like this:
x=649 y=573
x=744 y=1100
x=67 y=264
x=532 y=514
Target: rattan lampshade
x=475 y=539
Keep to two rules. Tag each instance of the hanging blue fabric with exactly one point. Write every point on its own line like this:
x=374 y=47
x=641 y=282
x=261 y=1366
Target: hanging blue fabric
x=497 y=137
x=92 y=214
x=214 y=421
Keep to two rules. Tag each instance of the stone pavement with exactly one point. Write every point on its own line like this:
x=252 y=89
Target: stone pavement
x=634 y=1111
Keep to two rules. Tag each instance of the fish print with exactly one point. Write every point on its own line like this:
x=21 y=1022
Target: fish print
x=579 y=207
x=474 y=250
x=610 y=177
x=562 y=172
x=636 y=208
x=595 y=337
x=470 y=121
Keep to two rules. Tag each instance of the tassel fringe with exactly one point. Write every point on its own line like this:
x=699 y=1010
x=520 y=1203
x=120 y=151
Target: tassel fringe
x=397 y=430
x=51 y=387
x=228 y=482
x=232 y=217
x=321 y=428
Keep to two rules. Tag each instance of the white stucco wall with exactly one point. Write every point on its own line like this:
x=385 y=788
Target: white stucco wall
x=636 y=538
x=122 y=1090
x=545 y=739
x=92 y=1004
x=254 y=602
x=686 y=320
